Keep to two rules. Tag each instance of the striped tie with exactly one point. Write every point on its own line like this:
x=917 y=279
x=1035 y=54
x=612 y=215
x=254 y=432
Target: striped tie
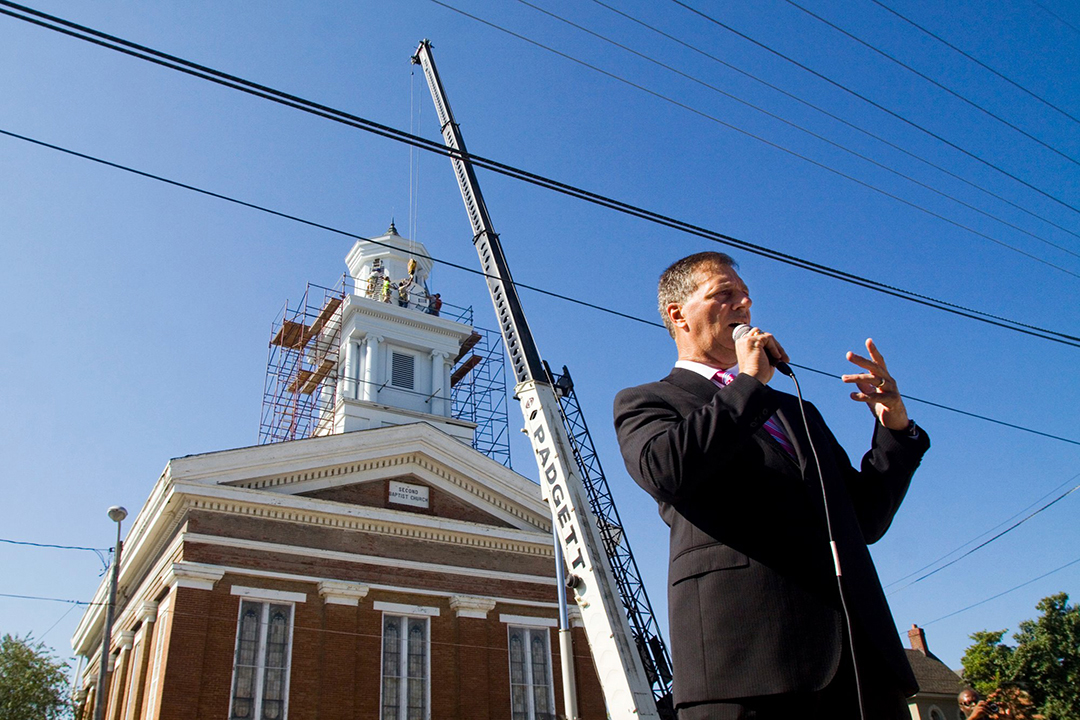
x=722 y=378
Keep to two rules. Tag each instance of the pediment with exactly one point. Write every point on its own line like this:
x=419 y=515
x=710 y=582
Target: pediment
x=357 y=468
x=406 y=493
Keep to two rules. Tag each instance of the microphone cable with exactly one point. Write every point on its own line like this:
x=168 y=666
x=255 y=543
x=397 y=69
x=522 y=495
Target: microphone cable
x=832 y=544
x=782 y=367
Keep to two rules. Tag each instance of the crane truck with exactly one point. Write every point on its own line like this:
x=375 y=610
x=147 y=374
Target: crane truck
x=631 y=667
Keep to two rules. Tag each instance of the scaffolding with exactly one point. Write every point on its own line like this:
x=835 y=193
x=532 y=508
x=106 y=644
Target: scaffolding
x=302 y=367
x=478 y=392
x=301 y=389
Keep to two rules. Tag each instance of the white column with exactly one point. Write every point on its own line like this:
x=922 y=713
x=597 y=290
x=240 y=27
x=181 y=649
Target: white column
x=440 y=388
x=140 y=659
x=120 y=672
x=347 y=381
x=446 y=385
x=371 y=352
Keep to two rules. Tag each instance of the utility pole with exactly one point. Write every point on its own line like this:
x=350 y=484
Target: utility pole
x=117 y=515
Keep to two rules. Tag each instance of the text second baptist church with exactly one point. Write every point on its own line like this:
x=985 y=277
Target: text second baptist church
x=384 y=562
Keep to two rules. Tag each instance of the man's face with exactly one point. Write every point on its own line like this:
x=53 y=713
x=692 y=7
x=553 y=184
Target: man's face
x=703 y=323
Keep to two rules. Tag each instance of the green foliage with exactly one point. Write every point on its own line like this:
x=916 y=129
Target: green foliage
x=987 y=663
x=1045 y=660
x=1048 y=657
x=33 y=684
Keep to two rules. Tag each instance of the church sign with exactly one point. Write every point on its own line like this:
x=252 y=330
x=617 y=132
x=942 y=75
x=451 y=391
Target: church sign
x=411 y=495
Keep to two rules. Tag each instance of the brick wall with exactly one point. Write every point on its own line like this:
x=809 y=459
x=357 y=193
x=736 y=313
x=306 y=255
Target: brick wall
x=335 y=671
x=366 y=543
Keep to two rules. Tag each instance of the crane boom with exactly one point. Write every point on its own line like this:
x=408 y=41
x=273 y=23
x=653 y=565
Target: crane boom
x=626 y=687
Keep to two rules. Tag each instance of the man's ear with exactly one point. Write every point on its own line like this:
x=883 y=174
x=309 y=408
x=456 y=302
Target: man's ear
x=675 y=315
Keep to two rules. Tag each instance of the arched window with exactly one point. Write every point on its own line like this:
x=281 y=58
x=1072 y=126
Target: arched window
x=261 y=664
x=531 y=696
x=405 y=668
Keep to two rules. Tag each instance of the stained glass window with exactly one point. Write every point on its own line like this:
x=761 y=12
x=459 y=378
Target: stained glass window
x=405 y=668
x=261 y=665
x=531 y=693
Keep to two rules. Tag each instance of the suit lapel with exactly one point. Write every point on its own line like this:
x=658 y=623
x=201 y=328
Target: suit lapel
x=788 y=414
x=693 y=383
x=791 y=421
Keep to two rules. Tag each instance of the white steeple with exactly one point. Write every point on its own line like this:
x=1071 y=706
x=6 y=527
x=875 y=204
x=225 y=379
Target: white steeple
x=397 y=346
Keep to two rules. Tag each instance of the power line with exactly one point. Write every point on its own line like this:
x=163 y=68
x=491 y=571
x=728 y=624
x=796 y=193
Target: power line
x=955 y=410
x=232 y=620
x=48 y=599
x=807 y=131
x=877 y=105
x=220 y=78
x=567 y=298
x=1057 y=17
x=987 y=542
x=841 y=120
x=102 y=553
x=1006 y=592
x=58 y=621
x=933 y=82
x=975 y=60
x=749 y=134
x=57 y=547
x=978 y=537
x=320 y=226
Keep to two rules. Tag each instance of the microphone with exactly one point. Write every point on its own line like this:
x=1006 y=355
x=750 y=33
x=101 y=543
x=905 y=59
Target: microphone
x=780 y=365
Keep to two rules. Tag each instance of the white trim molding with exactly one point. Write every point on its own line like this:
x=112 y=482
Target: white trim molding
x=528 y=621
x=127 y=639
x=148 y=611
x=402 y=609
x=264 y=594
x=189 y=575
x=295 y=577
x=352 y=557
x=337 y=592
x=468 y=606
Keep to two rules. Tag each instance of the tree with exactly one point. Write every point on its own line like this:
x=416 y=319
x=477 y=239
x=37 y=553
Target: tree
x=1048 y=657
x=33 y=684
x=1045 y=661
x=988 y=663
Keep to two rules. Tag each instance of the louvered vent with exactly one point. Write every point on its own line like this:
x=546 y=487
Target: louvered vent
x=402 y=369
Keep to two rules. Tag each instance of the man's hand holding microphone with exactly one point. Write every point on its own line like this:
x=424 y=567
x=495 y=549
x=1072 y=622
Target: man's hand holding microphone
x=760 y=354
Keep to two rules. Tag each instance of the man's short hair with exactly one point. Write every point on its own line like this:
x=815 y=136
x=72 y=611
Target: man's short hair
x=678 y=282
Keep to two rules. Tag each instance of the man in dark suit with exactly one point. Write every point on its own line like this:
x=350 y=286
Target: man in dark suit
x=756 y=618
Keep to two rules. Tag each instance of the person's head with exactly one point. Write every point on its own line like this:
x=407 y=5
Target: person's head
x=968 y=699
x=701 y=299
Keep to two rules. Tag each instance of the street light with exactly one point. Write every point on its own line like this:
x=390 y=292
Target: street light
x=117 y=515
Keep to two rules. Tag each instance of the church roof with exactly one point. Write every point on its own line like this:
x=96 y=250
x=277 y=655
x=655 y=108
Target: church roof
x=933 y=675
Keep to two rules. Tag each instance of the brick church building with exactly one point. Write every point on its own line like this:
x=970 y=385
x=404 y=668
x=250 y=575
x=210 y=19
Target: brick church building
x=373 y=557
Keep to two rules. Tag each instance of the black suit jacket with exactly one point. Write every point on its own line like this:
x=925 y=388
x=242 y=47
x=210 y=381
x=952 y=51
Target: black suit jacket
x=752 y=598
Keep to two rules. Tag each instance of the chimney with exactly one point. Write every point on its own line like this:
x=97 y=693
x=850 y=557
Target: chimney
x=917 y=639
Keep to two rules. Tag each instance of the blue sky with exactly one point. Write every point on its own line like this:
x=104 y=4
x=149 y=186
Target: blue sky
x=139 y=313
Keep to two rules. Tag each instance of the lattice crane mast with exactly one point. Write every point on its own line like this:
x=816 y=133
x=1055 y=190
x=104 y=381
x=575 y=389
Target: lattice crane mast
x=629 y=690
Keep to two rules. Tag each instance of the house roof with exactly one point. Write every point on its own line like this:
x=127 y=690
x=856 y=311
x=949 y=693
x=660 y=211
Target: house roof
x=933 y=675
